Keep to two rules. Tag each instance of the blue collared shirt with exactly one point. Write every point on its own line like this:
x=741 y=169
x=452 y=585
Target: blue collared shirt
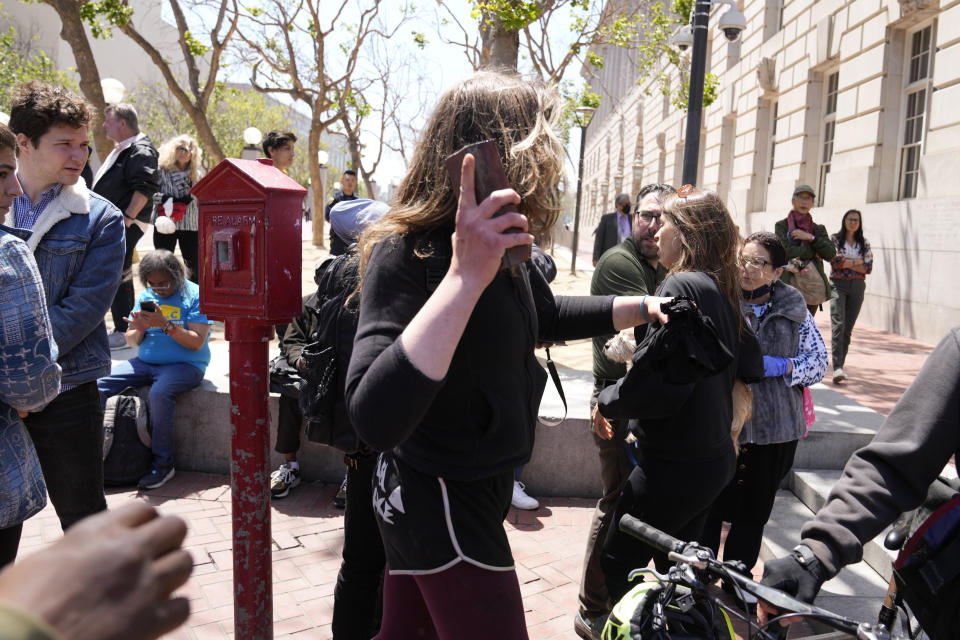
x=26 y=213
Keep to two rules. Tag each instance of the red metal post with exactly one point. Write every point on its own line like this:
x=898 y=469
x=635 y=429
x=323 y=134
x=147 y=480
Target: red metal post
x=250 y=479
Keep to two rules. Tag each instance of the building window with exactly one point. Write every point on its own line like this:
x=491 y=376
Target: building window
x=772 y=18
x=829 y=131
x=917 y=92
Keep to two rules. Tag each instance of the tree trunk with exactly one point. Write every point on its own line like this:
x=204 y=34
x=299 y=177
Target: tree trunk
x=499 y=47
x=319 y=189
x=205 y=132
x=73 y=33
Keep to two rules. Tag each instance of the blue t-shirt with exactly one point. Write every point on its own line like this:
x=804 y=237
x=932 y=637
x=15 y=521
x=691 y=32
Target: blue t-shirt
x=181 y=307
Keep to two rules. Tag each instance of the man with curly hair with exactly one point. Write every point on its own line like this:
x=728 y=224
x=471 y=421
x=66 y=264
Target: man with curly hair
x=77 y=240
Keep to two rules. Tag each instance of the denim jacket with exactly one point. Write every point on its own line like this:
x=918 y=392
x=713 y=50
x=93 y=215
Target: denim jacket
x=78 y=243
x=29 y=378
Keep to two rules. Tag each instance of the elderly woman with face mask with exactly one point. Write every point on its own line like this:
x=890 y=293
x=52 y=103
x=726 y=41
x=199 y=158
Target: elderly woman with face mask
x=794 y=357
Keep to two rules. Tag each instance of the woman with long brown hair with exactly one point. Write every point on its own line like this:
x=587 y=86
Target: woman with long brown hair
x=443 y=377
x=680 y=414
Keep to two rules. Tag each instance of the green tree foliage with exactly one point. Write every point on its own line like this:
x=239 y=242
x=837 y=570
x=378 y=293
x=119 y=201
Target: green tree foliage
x=231 y=111
x=658 y=62
x=18 y=66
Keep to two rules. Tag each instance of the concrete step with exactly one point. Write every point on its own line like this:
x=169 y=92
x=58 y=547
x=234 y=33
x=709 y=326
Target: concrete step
x=856 y=592
x=811 y=487
x=842 y=427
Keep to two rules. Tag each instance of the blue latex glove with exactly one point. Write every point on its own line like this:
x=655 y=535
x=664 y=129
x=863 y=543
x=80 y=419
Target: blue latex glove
x=775 y=366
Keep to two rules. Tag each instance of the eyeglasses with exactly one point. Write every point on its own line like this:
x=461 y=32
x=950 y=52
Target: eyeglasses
x=685 y=190
x=184 y=149
x=649 y=217
x=752 y=263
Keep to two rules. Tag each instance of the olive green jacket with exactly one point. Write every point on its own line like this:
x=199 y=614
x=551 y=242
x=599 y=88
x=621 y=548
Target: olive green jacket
x=820 y=249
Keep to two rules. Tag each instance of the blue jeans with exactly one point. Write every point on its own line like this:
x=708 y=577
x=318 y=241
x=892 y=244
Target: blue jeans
x=167 y=382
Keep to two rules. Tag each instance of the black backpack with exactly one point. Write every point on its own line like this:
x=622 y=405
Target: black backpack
x=126 y=439
x=927 y=571
x=326 y=357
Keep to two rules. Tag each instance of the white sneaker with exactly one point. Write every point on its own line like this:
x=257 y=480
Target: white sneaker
x=520 y=498
x=117 y=340
x=839 y=375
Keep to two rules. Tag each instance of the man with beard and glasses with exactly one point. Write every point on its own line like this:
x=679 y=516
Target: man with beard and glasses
x=630 y=268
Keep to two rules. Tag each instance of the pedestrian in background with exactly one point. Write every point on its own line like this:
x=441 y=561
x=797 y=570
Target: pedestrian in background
x=848 y=272
x=613 y=228
x=807 y=245
x=128 y=179
x=179 y=170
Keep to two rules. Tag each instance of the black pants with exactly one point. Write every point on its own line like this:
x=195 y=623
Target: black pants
x=123 y=300
x=747 y=501
x=9 y=543
x=668 y=494
x=289 y=422
x=357 y=599
x=68 y=436
x=189 y=248
x=615 y=468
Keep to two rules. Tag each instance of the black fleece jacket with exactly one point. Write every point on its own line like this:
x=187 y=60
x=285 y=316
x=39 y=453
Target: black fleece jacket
x=891 y=475
x=479 y=420
x=134 y=170
x=688 y=421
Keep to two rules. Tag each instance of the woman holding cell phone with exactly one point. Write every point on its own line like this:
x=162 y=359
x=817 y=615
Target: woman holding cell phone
x=443 y=377
x=172 y=336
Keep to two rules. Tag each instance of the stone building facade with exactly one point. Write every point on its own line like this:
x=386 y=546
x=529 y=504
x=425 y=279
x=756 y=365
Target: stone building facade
x=852 y=97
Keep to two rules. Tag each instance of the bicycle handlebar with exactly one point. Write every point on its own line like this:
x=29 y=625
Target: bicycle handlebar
x=651 y=535
x=675 y=549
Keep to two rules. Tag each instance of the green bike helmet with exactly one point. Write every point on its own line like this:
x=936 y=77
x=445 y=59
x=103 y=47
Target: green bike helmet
x=632 y=617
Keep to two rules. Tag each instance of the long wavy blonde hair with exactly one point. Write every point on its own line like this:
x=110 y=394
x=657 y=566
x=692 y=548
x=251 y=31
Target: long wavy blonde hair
x=168 y=156
x=709 y=239
x=520 y=115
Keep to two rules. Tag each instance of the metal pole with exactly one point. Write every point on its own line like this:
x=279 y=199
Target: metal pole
x=576 y=214
x=250 y=479
x=698 y=64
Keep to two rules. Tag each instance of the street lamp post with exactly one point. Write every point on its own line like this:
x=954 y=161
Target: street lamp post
x=584 y=115
x=251 y=138
x=323 y=158
x=113 y=90
x=732 y=23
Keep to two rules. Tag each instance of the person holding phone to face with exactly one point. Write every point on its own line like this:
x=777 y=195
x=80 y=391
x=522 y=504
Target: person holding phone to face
x=172 y=335
x=443 y=378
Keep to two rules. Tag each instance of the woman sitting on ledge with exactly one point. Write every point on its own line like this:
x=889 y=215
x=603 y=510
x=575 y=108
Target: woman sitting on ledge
x=172 y=333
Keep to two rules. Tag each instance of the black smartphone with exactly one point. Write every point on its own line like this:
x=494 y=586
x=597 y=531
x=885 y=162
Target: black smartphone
x=489 y=176
x=148 y=305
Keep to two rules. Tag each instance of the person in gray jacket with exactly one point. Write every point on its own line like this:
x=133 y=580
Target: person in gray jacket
x=887 y=477
x=794 y=357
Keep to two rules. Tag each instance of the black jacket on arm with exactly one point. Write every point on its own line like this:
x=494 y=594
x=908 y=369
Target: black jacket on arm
x=688 y=418
x=134 y=170
x=479 y=420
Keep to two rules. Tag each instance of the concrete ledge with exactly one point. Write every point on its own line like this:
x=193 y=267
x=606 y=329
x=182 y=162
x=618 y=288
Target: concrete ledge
x=564 y=460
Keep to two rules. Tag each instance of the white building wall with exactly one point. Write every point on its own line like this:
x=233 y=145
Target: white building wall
x=783 y=71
